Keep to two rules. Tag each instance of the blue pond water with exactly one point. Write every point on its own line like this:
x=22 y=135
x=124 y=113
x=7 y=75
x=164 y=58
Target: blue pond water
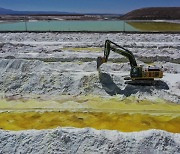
x=67 y=26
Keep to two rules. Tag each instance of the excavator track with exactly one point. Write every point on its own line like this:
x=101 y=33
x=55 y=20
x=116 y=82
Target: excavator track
x=142 y=82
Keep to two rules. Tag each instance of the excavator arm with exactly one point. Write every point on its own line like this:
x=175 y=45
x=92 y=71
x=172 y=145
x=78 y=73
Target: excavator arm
x=111 y=46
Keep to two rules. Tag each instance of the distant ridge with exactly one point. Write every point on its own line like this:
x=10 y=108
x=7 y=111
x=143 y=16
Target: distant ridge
x=153 y=13
x=4 y=11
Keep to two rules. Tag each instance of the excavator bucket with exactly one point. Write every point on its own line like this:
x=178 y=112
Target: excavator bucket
x=100 y=61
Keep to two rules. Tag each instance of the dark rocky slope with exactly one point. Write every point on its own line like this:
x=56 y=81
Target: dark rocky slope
x=154 y=13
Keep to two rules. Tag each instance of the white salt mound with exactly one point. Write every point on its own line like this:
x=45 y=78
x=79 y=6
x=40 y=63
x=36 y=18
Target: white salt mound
x=88 y=140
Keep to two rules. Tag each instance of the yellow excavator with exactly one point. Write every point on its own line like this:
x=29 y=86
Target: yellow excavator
x=138 y=74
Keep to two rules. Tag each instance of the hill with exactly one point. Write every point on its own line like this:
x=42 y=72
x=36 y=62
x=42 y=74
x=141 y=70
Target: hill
x=4 y=11
x=154 y=13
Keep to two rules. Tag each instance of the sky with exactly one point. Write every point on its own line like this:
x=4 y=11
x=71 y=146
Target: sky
x=85 y=6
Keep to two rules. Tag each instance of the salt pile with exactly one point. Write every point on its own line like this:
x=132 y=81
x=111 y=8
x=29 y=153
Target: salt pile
x=88 y=140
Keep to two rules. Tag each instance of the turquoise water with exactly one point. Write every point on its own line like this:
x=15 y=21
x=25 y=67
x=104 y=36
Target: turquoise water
x=67 y=26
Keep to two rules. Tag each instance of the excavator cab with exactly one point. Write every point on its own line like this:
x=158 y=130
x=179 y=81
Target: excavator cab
x=136 y=72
